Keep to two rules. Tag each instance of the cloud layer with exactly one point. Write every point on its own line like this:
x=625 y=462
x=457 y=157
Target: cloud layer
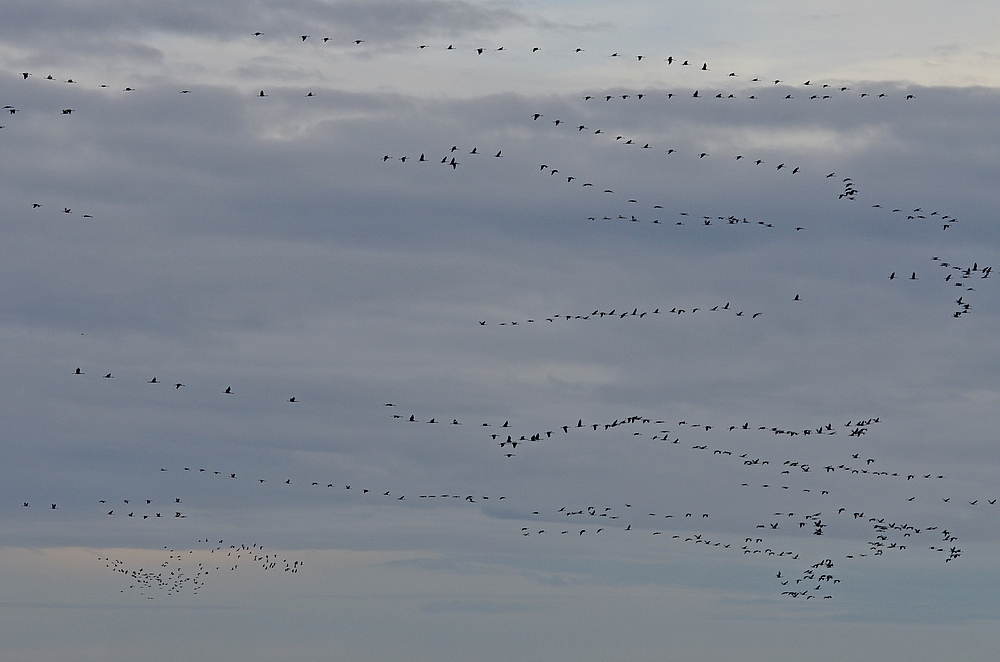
x=653 y=289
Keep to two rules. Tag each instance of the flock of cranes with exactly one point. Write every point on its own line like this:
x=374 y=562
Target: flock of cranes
x=822 y=491
x=826 y=482
x=182 y=572
x=816 y=482
x=616 y=314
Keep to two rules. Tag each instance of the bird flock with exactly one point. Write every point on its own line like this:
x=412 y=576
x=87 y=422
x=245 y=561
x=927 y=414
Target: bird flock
x=962 y=279
x=822 y=489
x=80 y=372
x=773 y=538
x=822 y=500
x=847 y=187
x=819 y=485
x=182 y=572
x=621 y=314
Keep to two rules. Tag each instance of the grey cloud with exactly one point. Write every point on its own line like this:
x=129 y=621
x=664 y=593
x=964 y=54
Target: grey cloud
x=231 y=19
x=480 y=607
x=263 y=244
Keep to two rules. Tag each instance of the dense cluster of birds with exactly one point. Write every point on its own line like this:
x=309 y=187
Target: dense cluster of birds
x=188 y=571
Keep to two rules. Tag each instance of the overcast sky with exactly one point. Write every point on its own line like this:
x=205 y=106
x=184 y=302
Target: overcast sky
x=265 y=253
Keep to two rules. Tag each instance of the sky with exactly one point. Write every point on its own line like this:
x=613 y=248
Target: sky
x=276 y=302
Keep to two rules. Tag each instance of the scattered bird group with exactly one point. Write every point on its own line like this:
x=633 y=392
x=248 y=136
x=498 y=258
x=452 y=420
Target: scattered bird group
x=960 y=279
